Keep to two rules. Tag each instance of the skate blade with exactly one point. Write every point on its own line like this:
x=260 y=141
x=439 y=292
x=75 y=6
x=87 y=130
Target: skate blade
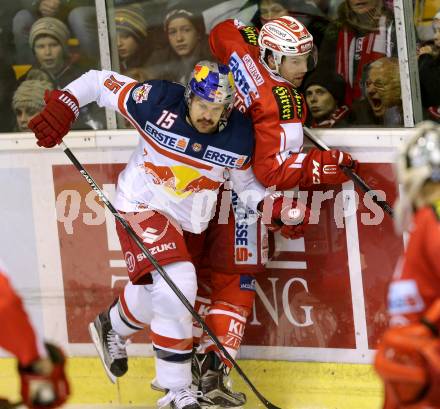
x=95 y=338
x=209 y=405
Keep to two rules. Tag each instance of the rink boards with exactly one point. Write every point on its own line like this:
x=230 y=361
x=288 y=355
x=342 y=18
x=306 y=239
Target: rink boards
x=323 y=299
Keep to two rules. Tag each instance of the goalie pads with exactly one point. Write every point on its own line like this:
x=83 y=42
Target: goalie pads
x=45 y=390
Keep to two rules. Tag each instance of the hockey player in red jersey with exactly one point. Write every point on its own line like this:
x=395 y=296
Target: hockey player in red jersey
x=192 y=140
x=40 y=366
x=408 y=357
x=268 y=67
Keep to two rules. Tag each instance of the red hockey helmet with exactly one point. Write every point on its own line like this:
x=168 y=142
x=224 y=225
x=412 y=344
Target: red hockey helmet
x=285 y=36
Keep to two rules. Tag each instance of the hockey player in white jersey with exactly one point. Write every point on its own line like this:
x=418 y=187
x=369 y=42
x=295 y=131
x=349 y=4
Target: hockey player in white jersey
x=191 y=141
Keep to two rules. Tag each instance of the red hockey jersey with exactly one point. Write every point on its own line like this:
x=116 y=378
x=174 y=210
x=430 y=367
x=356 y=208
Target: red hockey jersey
x=277 y=109
x=17 y=335
x=416 y=281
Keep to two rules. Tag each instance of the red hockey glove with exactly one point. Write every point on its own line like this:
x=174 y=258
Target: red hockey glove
x=288 y=215
x=45 y=386
x=55 y=120
x=324 y=167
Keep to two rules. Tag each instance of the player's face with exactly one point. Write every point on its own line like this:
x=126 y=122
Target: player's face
x=24 y=115
x=205 y=115
x=293 y=69
x=320 y=102
x=127 y=45
x=49 y=53
x=182 y=35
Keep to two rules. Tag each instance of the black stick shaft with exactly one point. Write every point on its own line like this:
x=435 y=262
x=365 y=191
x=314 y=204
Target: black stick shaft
x=352 y=175
x=164 y=275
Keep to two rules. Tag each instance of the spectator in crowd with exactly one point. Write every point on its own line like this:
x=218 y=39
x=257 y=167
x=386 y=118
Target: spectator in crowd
x=429 y=71
x=307 y=12
x=383 y=103
x=187 y=44
x=8 y=85
x=37 y=74
x=324 y=95
x=48 y=40
x=28 y=101
x=362 y=33
x=80 y=15
x=131 y=39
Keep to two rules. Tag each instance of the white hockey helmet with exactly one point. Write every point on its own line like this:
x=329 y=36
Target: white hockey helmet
x=418 y=162
x=285 y=36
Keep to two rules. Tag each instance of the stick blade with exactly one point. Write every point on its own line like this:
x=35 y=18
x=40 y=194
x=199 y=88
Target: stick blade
x=270 y=405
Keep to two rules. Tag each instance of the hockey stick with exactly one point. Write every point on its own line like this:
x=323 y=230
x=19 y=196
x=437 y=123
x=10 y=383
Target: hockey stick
x=164 y=274
x=382 y=203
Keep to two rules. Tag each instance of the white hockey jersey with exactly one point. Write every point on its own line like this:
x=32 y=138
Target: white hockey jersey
x=174 y=169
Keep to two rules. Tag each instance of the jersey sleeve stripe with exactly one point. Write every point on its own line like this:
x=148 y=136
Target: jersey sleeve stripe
x=122 y=97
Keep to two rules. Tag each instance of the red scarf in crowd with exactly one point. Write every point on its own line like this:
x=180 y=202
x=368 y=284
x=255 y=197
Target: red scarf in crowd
x=338 y=115
x=370 y=47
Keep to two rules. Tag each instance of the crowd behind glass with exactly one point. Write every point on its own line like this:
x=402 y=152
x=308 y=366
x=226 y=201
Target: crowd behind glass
x=45 y=44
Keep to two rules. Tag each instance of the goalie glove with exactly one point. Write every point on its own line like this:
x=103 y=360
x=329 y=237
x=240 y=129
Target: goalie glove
x=56 y=119
x=43 y=383
x=288 y=215
x=408 y=361
x=324 y=167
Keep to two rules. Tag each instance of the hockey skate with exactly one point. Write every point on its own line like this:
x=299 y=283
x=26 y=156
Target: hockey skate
x=111 y=347
x=209 y=374
x=204 y=402
x=184 y=398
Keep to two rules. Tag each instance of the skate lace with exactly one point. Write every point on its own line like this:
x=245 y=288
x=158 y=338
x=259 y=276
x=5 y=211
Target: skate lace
x=117 y=346
x=181 y=398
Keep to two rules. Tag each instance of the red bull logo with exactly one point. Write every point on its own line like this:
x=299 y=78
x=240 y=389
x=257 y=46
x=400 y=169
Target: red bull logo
x=180 y=180
x=200 y=72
